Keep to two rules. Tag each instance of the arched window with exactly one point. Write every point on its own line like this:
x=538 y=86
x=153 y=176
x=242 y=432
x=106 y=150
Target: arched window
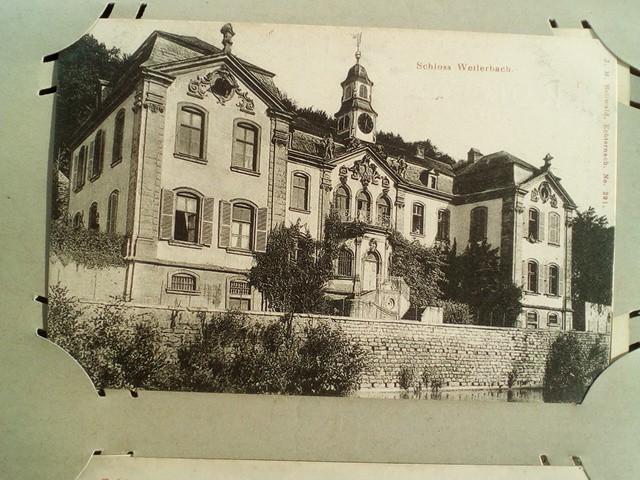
x=554 y=228
x=242 y=226
x=534 y=225
x=191 y=131
x=245 y=146
x=347 y=121
x=532 y=276
x=384 y=211
x=553 y=319
x=81 y=168
x=300 y=191
x=417 y=219
x=94 y=220
x=345 y=263
x=363 y=206
x=348 y=92
x=186 y=217
x=118 y=137
x=532 y=319
x=77 y=220
x=239 y=294
x=98 y=154
x=112 y=212
x=363 y=91
x=183 y=282
x=554 y=280
x=343 y=202
x=443 y=225
x=478 y=225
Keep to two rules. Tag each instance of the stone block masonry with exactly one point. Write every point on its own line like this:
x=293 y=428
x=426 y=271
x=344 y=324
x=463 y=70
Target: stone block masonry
x=461 y=355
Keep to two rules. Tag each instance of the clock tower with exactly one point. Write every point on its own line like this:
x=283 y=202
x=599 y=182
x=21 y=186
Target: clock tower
x=356 y=117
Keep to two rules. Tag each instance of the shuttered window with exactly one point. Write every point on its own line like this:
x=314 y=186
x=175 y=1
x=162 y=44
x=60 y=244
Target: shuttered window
x=241 y=226
x=554 y=280
x=97 y=154
x=186 y=217
x=554 y=228
x=532 y=276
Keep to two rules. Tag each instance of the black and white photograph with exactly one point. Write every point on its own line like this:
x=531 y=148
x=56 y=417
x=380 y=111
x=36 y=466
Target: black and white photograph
x=333 y=211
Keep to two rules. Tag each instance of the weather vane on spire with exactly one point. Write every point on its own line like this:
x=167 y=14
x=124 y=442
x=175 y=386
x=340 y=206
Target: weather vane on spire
x=358 y=37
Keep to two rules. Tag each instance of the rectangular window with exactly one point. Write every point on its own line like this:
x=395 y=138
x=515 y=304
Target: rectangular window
x=241 y=227
x=239 y=295
x=534 y=233
x=443 y=225
x=478 y=224
x=191 y=132
x=299 y=189
x=245 y=147
x=186 y=218
x=553 y=280
x=417 y=222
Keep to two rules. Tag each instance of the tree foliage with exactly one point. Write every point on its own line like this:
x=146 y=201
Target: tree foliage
x=292 y=273
x=80 y=66
x=420 y=267
x=571 y=368
x=115 y=350
x=592 y=267
x=232 y=354
x=475 y=278
x=399 y=146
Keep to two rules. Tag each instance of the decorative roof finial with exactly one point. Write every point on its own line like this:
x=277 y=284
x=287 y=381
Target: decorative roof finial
x=547 y=160
x=358 y=37
x=227 y=37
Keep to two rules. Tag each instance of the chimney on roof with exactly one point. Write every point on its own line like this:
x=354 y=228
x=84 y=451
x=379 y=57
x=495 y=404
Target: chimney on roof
x=473 y=155
x=420 y=152
x=102 y=89
x=227 y=37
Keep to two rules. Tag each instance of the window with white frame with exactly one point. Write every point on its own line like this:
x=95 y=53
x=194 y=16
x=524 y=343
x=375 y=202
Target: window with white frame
x=242 y=226
x=191 y=131
x=553 y=319
x=532 y=319
x=245 y=146
x=300 y=191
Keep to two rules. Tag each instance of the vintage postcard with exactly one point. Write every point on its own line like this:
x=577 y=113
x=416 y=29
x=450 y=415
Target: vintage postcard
x=336 y=211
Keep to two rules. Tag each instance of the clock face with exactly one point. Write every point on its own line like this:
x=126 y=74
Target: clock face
x=365 y=122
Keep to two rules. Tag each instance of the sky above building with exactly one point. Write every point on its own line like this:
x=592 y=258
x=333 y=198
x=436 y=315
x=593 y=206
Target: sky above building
x=528 y=95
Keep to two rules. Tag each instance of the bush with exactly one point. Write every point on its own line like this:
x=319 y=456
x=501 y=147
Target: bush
x=406 y=377
x=571 y=368
x=235 y=355
x=456 y=312
x=88 y=248
x=115 y=350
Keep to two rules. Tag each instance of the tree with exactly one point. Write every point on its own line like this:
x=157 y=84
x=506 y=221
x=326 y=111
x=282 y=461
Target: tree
x=80 y=66
x=292 y=273
x=420 y=267
x=475 y=278
x=592 y=267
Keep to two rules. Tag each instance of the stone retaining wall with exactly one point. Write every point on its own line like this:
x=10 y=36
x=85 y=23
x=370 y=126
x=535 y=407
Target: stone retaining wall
x=461 y=355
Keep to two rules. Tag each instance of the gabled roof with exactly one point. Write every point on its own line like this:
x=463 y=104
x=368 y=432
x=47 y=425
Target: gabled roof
x=555 y=184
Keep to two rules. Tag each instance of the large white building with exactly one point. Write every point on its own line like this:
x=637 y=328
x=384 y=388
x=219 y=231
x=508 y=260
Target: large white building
x=194 y=157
